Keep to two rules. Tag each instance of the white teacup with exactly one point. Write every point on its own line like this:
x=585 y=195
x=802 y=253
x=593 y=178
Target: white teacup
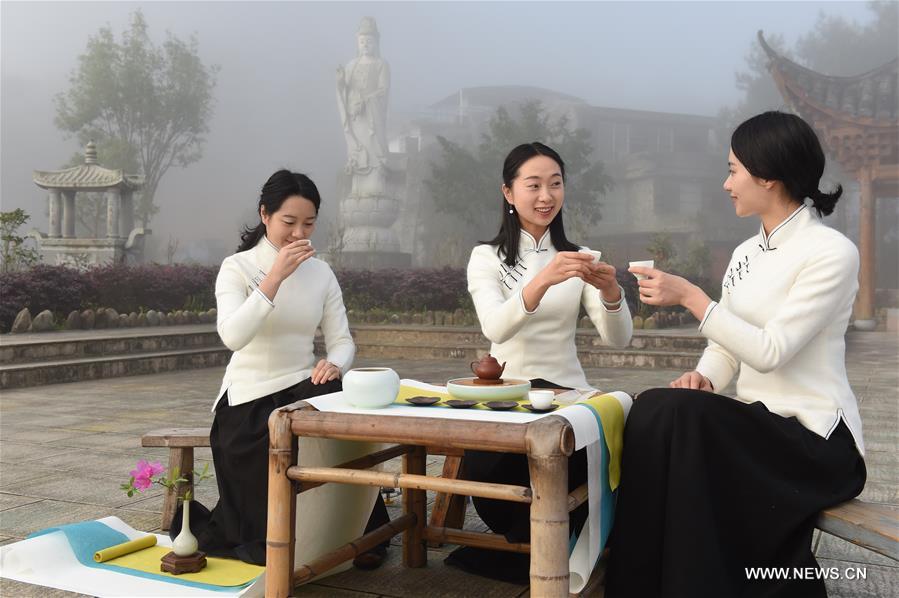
x=371 y=388
x=642 y=264
x=541 y=399
x=597 y=255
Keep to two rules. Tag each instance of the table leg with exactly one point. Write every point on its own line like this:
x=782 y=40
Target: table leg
x=549 y=508
x=281 y=509
x=415 y=552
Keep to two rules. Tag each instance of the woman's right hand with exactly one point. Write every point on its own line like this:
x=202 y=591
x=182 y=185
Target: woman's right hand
x=290 y=257
x=288 y=260
x=693 y=381
x=567 y=264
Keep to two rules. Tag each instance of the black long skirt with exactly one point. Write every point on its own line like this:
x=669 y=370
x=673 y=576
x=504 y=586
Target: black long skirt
x=236 y=527
x=711 y=486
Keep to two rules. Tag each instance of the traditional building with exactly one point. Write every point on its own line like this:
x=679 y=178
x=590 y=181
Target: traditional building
x=60 y=245
x=667 y=170
x=857 y=119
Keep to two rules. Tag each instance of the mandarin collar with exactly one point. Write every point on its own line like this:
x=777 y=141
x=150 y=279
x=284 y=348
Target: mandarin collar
x=527 y=243
x=799 y=219
x=266 y=252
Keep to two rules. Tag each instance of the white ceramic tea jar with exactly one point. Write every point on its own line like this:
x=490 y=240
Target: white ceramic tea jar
x=371 y=388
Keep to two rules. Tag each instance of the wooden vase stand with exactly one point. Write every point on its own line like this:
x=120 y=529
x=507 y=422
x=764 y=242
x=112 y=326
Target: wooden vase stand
x=176 y=565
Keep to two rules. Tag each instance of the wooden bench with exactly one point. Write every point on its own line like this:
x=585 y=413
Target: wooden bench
x=869 y=525
x=448 y=511
x=181 y=443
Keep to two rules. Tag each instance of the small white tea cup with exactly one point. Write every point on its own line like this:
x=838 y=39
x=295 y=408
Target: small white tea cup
x=597 y=255
x=541 y=399
x=642 y=264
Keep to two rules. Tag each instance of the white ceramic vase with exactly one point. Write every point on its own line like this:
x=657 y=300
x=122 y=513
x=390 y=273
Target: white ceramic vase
x=371 y=388
x=185 y=544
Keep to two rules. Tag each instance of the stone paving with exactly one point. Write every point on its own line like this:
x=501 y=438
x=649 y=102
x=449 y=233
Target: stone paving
x=65 y=448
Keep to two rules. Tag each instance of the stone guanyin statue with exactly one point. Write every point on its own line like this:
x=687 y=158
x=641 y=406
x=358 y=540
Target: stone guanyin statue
x=362 y=88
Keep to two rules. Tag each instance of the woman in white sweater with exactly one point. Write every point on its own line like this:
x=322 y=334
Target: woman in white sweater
x=271 y=297
x=713 y=486
x=528 y=285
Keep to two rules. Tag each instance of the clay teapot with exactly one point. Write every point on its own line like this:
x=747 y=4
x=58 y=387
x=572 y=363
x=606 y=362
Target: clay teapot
x=487 y=368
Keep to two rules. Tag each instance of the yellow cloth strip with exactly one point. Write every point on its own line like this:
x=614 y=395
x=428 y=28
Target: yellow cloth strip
x=107 y=554
x=218 y=571
x=611 y=414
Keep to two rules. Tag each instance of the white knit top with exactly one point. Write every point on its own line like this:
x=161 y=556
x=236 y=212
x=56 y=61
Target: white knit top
x=538 y=344
x=273 y=340
x=785 y=305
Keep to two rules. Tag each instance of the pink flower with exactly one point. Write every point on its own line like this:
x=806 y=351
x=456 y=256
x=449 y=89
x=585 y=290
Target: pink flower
x=144 y=473
x=147 y=470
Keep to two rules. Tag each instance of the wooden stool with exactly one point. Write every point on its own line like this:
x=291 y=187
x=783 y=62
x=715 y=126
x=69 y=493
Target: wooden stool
x=181 y=443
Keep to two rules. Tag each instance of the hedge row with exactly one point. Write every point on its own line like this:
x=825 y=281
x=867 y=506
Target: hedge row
x=177 y=287
x=124 y=288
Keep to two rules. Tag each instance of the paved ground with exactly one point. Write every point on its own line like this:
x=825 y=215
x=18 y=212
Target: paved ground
x=64 y=450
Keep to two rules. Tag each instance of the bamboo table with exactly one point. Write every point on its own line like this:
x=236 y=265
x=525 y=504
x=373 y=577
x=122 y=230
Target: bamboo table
x=547 y=442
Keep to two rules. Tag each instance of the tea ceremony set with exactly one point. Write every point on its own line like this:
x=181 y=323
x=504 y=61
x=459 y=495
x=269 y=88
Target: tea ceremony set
x=375 y=409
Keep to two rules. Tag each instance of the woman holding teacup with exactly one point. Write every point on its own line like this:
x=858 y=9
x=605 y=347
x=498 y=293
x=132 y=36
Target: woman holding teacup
x=271 y=296
x=713 y=486
x=528 y=285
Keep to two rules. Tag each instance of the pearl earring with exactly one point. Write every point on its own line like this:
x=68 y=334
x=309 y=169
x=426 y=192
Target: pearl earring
x=511 y=211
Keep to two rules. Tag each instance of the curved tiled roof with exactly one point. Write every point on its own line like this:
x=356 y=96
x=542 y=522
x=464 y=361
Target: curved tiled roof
x=86 y=177
x=856 y=117
x=869 y=97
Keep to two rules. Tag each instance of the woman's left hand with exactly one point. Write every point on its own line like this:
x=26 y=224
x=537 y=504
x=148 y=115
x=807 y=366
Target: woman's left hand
x=603 y=278
x=661 y=288
x=324 y=371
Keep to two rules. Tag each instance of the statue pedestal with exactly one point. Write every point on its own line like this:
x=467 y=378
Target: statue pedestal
x=369 y=213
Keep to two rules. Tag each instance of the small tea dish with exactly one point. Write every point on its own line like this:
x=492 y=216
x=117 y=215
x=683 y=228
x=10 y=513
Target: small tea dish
x=422 y=401
x=530 y=407
x=457 y=404
x=502 y=405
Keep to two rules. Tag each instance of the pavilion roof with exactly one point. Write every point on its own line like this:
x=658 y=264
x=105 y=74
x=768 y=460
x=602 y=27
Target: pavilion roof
x=89 y=176
x=856 y=117
x=867 y=99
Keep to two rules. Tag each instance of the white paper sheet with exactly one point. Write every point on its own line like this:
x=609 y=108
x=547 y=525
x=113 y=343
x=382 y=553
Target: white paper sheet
x=48 y=561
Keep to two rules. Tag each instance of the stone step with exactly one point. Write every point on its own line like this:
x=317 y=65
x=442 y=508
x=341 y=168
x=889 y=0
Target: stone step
x=49 y=358
x=56 y=346
x=91 y=368
x=589 y=357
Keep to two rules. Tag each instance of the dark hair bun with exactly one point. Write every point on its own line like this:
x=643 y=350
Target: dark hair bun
x=824 y=202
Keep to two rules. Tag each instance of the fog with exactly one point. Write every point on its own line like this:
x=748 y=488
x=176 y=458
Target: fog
x=275 y=97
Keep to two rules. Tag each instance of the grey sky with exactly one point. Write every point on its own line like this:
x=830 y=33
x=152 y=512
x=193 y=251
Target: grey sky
x=275 y=99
